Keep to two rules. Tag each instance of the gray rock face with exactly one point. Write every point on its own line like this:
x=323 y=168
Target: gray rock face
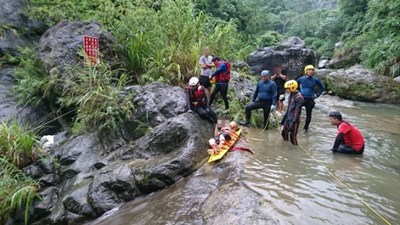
x=397 y=79
x=12 y=15
x=358 y=83
x=95 y=178
x=61 y=44
x=244 y=88
x=291 y=55
x=10 y=109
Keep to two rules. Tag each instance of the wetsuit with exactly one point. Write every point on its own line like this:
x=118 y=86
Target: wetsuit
x=291 y=119
x=280 y=83
x=264 y=96
x=221 y=85
x=198 y=102
x=307 y=85
x=349 y=139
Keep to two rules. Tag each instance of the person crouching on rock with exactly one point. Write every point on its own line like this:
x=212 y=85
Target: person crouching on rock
x=291 y=119
x=264 y=98
x=349 y=139
x=222 y=137
x=197 y=100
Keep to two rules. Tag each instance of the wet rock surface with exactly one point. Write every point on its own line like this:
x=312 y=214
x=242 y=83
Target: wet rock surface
x=92 y=178
x=359 y=83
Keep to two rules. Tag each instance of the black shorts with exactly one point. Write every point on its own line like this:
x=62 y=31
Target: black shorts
x=205 y=81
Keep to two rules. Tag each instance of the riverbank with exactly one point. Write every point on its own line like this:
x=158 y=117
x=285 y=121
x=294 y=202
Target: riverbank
x=287 y=185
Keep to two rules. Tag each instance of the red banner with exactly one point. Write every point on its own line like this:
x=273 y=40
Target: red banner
x=91 y=48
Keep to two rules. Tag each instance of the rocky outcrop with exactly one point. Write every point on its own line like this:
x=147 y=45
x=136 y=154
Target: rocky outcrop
x=61 y=45
x=291 y=55
x=10 y=109
x=358 y=83
x=93 y=178
x=19 y=29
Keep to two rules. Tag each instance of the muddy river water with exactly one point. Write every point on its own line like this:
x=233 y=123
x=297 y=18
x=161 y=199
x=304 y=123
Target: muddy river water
x=282 y=184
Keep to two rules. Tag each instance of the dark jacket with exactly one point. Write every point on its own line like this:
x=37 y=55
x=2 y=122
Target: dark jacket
x=293 y=111
x=265 y=90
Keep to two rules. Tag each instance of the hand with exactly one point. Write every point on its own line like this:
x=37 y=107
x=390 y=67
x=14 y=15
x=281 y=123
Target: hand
x=315 y=96
x=273 y=107
x=208 y=110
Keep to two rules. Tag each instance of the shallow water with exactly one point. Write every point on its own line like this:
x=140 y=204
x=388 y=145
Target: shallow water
x=282 y=184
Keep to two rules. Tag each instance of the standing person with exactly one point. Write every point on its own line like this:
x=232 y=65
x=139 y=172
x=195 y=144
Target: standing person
x=280 y=80
x=205 y=69
x=349 y=139
x=291 y=119
x=197 y=100
x=264 y=98
x=222 y=76
x=307 y=84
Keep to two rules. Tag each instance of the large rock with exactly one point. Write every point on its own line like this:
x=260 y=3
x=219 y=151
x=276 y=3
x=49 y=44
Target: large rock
x=358 y=83
x=291 y=55
x=61 y=45
x=95 y=178
x=20 y=31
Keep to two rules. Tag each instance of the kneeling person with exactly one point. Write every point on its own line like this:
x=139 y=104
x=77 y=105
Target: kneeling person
x=197 y=100
x=349 y=139
x=221 y=138
x=291 y=119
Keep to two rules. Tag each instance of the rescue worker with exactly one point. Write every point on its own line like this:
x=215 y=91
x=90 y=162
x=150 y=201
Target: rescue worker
x=307 y=85
x=349 y=139
x=206 y=64
x=264 y=98
x=222 y=76
x=197 y=100
x=280 y=80
x=221 y=138
x=291 y=119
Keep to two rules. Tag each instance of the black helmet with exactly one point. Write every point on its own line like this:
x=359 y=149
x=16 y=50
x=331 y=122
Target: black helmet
x=336 y=115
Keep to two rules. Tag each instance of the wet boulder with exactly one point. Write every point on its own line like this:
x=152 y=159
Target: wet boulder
x=95 y=179
x=61 y=45
x=19 y=30
x=291 y=55
x=243 y=88
x=359 y=83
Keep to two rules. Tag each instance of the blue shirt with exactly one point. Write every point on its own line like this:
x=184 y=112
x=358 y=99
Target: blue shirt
x=221 y=68
x=307 y=85
x=265 y=90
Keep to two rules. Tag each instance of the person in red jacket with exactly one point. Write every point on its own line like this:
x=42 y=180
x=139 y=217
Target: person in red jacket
x=197 y=100
x=349 y=139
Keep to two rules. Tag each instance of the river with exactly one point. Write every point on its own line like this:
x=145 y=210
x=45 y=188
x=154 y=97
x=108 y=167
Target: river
x=283 y=184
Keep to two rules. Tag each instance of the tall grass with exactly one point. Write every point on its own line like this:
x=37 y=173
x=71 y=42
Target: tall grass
x=31 y=77
x=17 y=191
x=164 y=45
x=95 y=93
x=17 y=143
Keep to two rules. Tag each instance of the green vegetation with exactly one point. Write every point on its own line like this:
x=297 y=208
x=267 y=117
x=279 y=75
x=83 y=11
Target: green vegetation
x=17 y=191
x=95 y=93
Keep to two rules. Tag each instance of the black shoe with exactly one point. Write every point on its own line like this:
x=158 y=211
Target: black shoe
x=244 y=123
x=305 y=130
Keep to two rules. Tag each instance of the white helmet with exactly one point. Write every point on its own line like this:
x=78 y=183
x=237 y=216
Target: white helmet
x=193 y=81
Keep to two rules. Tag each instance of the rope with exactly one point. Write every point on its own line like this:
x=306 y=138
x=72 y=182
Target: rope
x=346 y=186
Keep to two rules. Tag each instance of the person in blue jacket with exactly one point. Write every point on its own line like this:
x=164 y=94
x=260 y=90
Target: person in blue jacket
x=264 y=98
x=307 y=85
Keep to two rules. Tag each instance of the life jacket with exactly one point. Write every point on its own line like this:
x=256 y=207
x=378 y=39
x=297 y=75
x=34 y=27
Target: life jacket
x=197 y=96
x=226 y=75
